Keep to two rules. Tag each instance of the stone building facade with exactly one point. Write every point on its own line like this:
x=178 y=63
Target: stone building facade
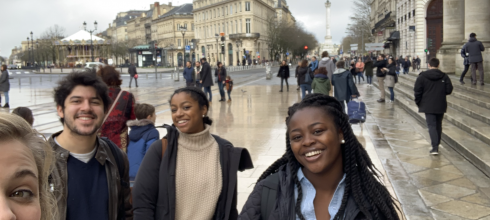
x=383 y=22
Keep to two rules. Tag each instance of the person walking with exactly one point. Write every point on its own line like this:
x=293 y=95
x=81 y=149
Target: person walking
x=189 y=74
x=220 y=75
x=297 y=74
x=197 y=76
x=474 y=50
x=283 y=73
x=418 y=63
x=391 y=78
x=380 y=74
x=430 y=91
x=91 y=175
x=360 y=70
x=344 y=85
x=368 y=66
x=466 y=64
x=4 y=86
x=191 y=173
x=328 y=64
x=229 y=87
x=114 y=127
x=321 y=83
x=314 y=64
x=206 y=79
x=132 y=73
x=414 y=64
x=305 y=78
x=352 y=69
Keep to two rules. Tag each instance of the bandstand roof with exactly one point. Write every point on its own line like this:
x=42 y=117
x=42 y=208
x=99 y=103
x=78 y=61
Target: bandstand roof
x=82 y=35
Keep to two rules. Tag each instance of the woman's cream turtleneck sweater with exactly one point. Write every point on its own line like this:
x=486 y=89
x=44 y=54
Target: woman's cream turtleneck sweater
x=198 y=179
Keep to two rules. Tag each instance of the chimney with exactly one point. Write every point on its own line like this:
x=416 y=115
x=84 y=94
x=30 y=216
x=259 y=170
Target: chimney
x=170 y=4
x=157 y=6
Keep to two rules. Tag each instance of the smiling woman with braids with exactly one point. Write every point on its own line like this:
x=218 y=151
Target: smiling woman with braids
x=324 y=174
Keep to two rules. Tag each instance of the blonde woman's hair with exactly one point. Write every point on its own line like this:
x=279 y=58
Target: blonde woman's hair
x=13 y=127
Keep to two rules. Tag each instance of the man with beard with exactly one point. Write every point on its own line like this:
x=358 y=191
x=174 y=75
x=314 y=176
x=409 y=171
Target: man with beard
x=91 y=175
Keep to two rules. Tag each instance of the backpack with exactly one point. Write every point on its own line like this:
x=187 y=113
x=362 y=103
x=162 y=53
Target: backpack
x=117 y=153
x=269 y=194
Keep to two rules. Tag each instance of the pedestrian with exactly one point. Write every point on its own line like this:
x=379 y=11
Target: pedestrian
x=391 y=78
x=189 y=74
x=352 y=69
x=283 y=73
x=398 y=67
x=238 y=62
x=325 y=171
x=243 y=62
x=359 y=70
x=132 y=75
x=328 y=64
x=197 y=75
x=229 y=87
x=314 y=64
x=321 y=83
x=190 y=174
x=474 y=50
x=220 y=75
x=430 y=91
x=114 y=127
x=418 y=63
x=82 y=102
x=24 y=113
x=296 y=74
x=4 y=85
x=368 y=66
x=406 y=65
x=466 y=64
x=143 y=134
x=414 y=64
x=380 y=64
x=305 y=78
x=206 y=79
x=344 y=85
x=26 y=162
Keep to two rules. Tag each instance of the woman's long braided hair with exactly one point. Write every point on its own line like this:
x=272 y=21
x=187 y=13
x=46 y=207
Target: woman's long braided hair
x=362 y=178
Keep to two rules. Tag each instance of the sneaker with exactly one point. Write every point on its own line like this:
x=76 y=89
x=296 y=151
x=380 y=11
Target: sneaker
x=6 y=105
x=434 y=152
x=222 y=100
x=482 y=84
x=381 y=100
x=462 y=82
x=280 y=90
x=297 y=88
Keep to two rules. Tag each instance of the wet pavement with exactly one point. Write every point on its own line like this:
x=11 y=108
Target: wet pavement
x=428 y=187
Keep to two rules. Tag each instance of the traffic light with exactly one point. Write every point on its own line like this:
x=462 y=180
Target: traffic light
x=426 y=50
x=223 y=48
x=306 y=47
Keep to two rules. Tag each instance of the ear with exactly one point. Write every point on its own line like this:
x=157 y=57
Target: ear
x=60 y=112
x=204 y=110
x=341 y=135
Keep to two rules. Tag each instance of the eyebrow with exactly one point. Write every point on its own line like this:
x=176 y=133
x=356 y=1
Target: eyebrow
x=316 y=123
x=79 y=97
x=24 y=173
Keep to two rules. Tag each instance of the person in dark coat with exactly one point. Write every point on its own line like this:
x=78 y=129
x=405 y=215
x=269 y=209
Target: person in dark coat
x=406 y=65
x=391 y=78
x=430 y=91
x=352 y=70
x=220 y=75
x=4 y=86
x=474 y=50
x=296 y=74
x=418 y=63
x=132 y=72
x=466 y=64
x=320 y=171
x=344 y=87
x=302 y=72
x=206 y=78
x=191 y=173
x=284 y=74
x=368 y=66
x=380 y=74
x=189 y=74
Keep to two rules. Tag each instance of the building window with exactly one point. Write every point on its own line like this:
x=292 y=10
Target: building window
x=178 y=26
x=236 y=27
x=192 y=25
x=186 y=41
x=178 y=43
x=185 y=26
x=248 y=26
x=240 y=5
x=231 y=9
x=247 y=6
x=414 y=12
x=226 y=10
x=223 y=11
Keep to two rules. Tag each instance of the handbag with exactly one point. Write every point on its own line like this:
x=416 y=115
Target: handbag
x=136 y=76
x=307 y=76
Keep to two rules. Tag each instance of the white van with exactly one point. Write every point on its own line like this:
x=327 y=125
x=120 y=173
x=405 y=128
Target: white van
x=93 y=65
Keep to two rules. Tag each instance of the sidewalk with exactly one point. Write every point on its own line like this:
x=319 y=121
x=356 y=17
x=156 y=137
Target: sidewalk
x=124 y=70
x=428 y=187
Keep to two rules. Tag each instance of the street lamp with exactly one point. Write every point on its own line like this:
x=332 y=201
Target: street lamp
x=91 y=41
x=183 y=30
x=238 y=44
x=217 y=45
x=32 y=48
x=37 y=48
x=28 y=51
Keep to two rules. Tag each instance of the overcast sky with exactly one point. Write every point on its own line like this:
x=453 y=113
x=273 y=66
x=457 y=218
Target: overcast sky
x=19 y=17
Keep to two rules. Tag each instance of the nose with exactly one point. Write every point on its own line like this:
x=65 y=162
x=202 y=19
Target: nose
x=308 y=140
x=6 y=212
x=86 y=105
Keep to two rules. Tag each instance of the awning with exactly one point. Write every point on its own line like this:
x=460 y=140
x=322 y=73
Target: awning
x=394 y=36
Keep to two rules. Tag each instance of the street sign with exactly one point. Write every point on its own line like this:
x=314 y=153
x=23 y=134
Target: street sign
x=287 y=54
x=247 y=52
x=257 y=53
x=341 y=51
x=187 y=49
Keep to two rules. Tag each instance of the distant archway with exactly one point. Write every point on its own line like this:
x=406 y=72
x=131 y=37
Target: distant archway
x=434 y=26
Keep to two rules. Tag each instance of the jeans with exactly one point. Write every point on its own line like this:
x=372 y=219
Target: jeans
x=434 y=123
x=229 y=93
x=282 y=80
x=6 y=94
x=221 y=87
x=207 y=90
x=381 y=84
x=369 y=80
x=198 y=85
x=131 y=80
x=359 y=76
x=189 y=84
x=392 y=97
x=406 y=70
x=466 y=68
x=304 y=88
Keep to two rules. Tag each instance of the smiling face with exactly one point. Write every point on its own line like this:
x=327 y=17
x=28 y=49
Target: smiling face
x=187 y=115
x=315 y=141
x=83 y=112
x=19 y=185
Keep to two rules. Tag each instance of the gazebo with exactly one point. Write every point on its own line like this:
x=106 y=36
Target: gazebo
x=76 y=49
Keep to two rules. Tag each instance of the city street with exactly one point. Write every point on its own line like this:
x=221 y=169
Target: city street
x=428 y=187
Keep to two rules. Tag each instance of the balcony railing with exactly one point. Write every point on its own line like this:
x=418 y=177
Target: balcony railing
x=244 y=36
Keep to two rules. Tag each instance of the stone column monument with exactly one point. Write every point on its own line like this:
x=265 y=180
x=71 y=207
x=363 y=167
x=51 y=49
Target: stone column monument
x=328 y=45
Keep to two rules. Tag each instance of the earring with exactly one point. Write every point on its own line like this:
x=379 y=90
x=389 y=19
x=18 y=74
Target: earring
x=343 y=142
x=203 y=116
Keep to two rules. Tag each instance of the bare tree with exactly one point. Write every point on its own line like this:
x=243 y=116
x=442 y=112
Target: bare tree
x=47 y=49
x=359 y=28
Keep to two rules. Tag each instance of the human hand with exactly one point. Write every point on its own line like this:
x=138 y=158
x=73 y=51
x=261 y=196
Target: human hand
x=200 y=81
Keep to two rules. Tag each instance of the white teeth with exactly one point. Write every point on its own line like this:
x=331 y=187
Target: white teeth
x=182 y=122
x=85 y=118
x=313 y=153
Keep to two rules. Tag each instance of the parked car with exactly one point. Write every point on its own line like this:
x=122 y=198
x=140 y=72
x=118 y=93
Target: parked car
x=93 y=65
x=12 y=66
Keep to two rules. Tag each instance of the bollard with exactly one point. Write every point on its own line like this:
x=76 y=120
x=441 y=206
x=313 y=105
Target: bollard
x=147 y=75
x=19 y=82
x=30 y=82
x=61 y=69
x=50 y=70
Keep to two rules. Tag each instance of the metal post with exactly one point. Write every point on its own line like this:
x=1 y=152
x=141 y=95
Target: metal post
x=30 y=82
x=19 y=81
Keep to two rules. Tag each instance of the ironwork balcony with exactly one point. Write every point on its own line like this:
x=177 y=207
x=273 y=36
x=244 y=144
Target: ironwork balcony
x=244 y=36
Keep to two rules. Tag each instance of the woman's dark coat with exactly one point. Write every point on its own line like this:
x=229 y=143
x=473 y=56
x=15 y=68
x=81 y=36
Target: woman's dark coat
x=302 y=71
x=380 y=65
x=344 y=86
x=154 y=190
x=220 y=75
x=368 y=66
x=283 y=72
x=206 y=77
x=4 y=81
x=285 y=202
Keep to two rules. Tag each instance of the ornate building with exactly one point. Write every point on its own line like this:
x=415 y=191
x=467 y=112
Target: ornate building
x=383 y=21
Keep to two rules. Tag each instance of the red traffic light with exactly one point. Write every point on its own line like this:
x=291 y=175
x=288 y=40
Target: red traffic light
x=306 y=47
